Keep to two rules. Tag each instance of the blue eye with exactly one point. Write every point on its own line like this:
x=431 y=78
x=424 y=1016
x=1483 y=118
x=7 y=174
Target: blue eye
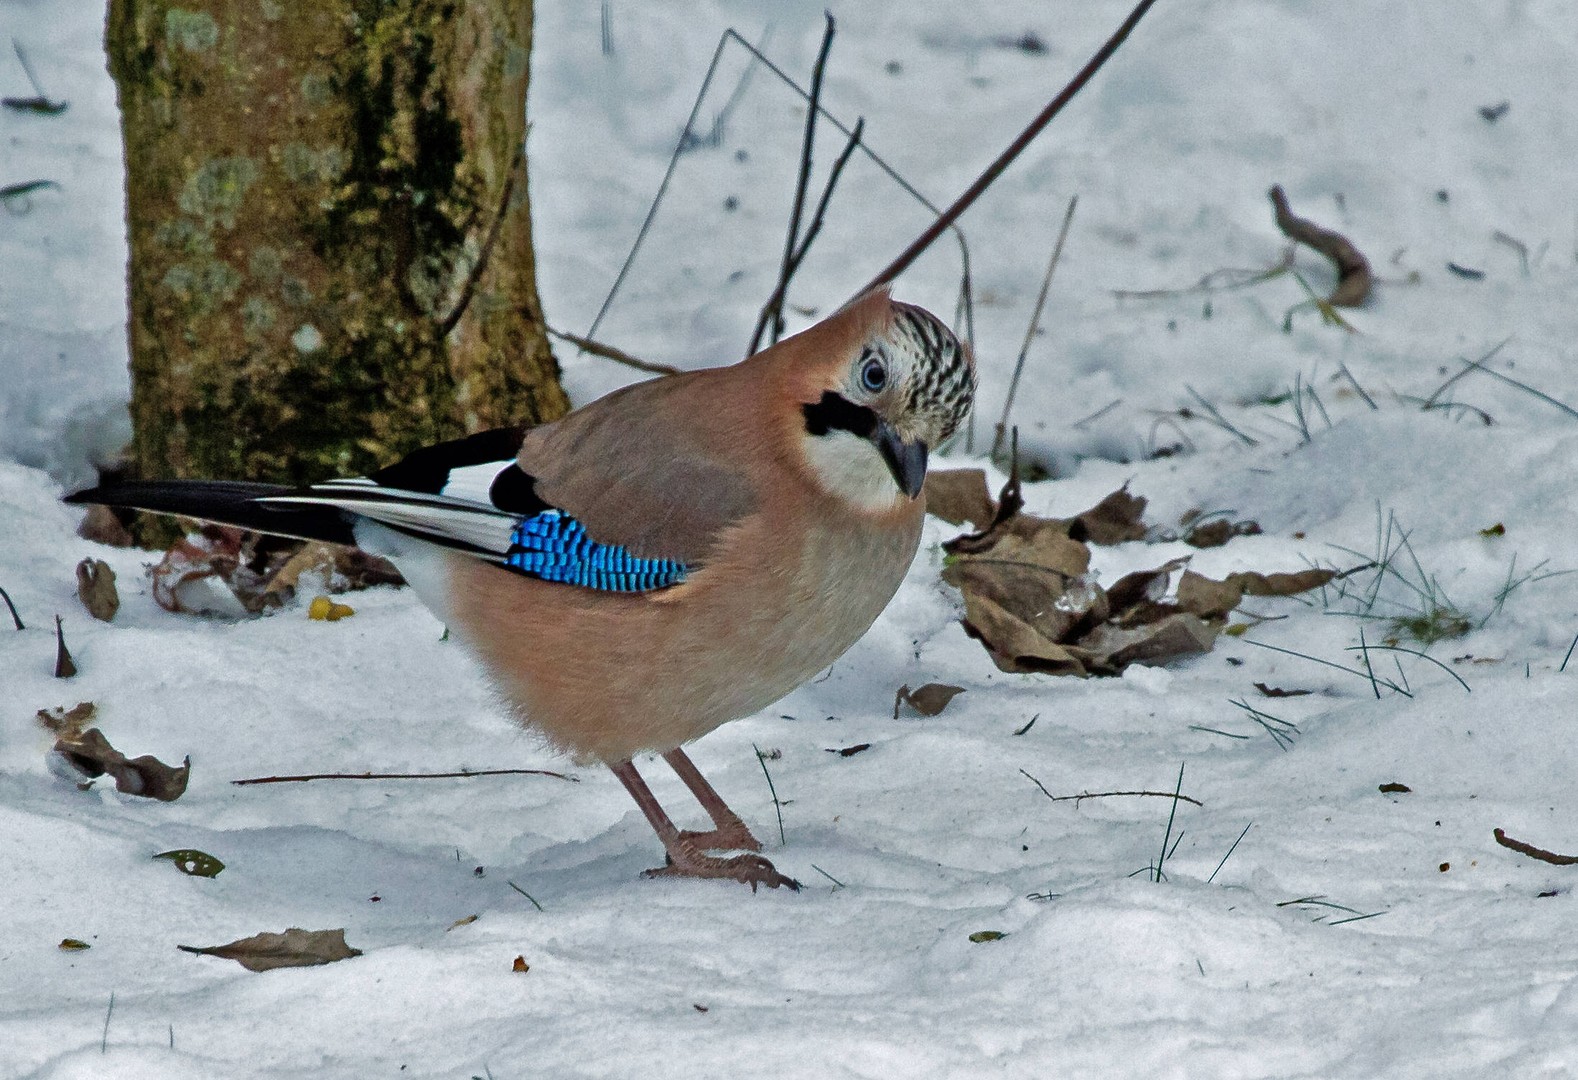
x=873 y=375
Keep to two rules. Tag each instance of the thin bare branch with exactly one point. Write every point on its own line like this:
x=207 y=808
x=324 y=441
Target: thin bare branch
x=608 y=352
x=995 y=169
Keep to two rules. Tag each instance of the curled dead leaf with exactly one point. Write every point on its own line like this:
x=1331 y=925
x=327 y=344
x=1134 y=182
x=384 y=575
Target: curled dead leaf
x=70 y=722
x=103 y=526
x=1277 y=691
x=928 y=700
x=293 y=948
x=1218 y=531
x=520 y=966
x=1255 y=584
x=207 y=574
x=1168 y=638
x=72 y=944
x=96 y=589
x=90 y=753
x=1114 y=520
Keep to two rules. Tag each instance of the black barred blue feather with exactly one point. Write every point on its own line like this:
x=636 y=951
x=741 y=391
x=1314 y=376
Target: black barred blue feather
x=554 y=546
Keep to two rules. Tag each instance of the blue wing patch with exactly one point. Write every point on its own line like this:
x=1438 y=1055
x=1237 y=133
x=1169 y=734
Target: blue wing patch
x=554 y=546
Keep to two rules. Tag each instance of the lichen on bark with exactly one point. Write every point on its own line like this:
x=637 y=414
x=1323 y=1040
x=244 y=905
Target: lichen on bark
x=330 y=239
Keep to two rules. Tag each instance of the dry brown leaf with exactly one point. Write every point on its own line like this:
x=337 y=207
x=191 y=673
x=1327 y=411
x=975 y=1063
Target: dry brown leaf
x=960 y=495
x=293 y=948
x=102 y=525
x=68 y=723
x=928 y=700
x=1013 y=644
x=1277 y=691
x=1218 y=531
x=520 y=966
x=91 y=754
x=96 y=589
x=1142 y=586
x=1049 y=603
x=1180 y=634
x=201 y=574
x=1114 y=520
x=1206 y=598
x=1255 y=584
x=343 y=569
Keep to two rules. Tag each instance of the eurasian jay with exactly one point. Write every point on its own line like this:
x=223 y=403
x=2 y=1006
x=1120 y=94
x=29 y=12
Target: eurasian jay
x=675 y=555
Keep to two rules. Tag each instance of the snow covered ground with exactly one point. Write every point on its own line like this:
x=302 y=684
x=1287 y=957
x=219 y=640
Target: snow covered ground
x=1370 y=116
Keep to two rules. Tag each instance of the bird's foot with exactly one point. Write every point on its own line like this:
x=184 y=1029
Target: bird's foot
x=752 y=870
x=733 y=836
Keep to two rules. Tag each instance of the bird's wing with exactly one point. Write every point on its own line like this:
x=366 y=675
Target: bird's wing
x=611 y=498
x=659 y=468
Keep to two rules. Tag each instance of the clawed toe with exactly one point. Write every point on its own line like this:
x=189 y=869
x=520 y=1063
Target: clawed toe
x=752 y=870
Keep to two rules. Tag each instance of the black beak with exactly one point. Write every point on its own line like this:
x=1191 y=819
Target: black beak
x=906 y=460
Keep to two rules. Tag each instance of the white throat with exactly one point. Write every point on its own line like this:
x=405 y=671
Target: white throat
x=852 y=469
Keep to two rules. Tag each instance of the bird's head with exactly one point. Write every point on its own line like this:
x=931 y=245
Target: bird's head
x=893 y=386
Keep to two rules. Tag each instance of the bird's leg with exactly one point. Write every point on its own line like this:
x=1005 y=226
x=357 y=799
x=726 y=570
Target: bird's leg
x=684 y=858
x=729 y=832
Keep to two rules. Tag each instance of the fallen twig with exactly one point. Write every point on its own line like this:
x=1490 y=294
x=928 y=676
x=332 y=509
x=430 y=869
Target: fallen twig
x=995 y=169
x=1030 y=331
x=1533 y=852
x=462 y=774
x=608 y=352
x=1076 y=799
x=1353 y=269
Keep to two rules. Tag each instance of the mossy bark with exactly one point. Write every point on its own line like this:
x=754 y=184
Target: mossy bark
x=331 y=257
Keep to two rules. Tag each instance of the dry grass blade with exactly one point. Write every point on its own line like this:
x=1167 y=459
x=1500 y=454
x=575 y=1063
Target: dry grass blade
x=1035 y=321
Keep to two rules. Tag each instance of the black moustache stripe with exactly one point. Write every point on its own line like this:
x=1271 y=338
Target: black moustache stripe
x=837 y=413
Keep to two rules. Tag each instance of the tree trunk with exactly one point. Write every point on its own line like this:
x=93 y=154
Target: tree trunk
x=331 y=258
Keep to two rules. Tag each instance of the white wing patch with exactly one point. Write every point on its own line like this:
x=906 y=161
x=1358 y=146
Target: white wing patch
x=478 y=525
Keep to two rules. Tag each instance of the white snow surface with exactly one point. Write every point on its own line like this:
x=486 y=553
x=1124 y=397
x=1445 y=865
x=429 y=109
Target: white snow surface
x=1468 y=965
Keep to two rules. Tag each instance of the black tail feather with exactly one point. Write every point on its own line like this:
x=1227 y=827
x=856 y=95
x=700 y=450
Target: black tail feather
x=225 y=502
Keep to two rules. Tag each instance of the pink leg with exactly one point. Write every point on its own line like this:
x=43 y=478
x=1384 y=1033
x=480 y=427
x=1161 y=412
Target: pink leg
x=684 y=859
x=729 y=833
